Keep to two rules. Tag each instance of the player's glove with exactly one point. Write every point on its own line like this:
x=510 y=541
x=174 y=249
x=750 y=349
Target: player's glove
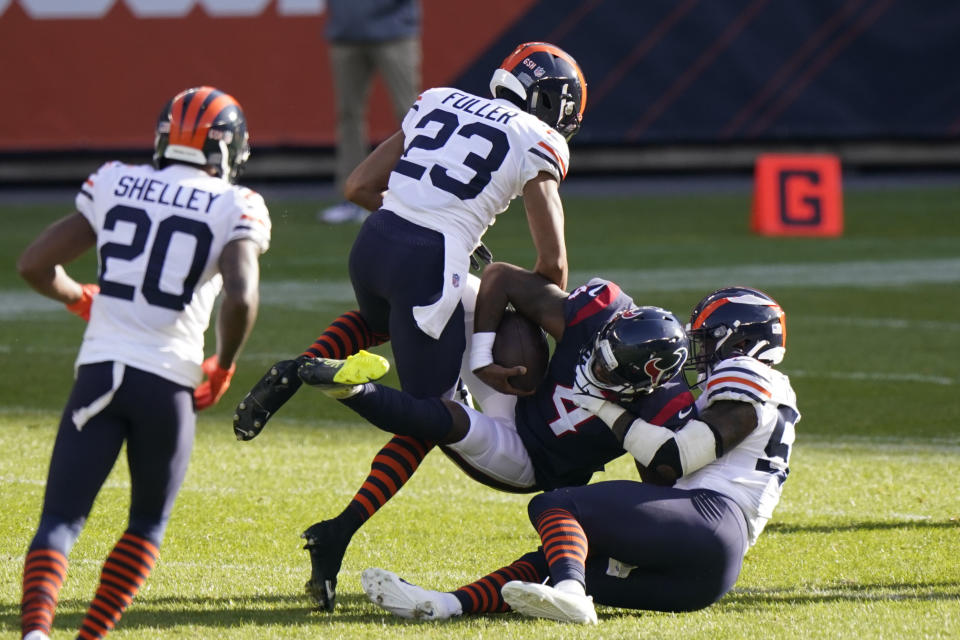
x=587 y=395
x=592 y=398
x=82 y=306
x=212 y=389
x=480 y=256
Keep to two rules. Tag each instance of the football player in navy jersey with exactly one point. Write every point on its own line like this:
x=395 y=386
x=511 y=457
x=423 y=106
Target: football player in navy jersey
x=434 y=188
x=539 y=440
x=169 y=238
x=604 y=342
x=676 y=541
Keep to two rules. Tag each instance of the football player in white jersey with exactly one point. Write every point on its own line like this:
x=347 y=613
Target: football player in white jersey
x=435 y=187
x=169 y=238
x=676 y=541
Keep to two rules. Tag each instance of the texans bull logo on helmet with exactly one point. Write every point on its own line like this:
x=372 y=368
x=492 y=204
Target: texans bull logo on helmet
x=641 y=349
x=662 y=368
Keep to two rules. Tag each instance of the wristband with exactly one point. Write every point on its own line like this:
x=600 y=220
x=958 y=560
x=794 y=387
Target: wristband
x=694 y=445
x=697 y=444
x=481 y=349
x=643 y=440
x=610 y=412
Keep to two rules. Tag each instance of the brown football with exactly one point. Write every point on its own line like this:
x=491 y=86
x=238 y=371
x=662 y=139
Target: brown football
x=520 y=341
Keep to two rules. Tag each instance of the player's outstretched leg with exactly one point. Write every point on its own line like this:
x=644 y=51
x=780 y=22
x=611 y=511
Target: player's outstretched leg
x=347 y=334
x=266 y=397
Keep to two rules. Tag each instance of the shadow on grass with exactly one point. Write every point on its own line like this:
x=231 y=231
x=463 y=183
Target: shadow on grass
x=265 y=611
x=877 y=525
x=846 y=591
x=163 y=612
x=276 y=610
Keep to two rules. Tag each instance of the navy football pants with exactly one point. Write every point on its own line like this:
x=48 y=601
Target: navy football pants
x=155 y=418
x=396 y=265
x=687 y=546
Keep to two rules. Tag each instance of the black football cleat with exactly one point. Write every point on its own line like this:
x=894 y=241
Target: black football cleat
x=327 y=543
x=266 y=397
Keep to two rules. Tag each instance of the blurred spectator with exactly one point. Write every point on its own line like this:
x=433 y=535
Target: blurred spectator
x=366 y=37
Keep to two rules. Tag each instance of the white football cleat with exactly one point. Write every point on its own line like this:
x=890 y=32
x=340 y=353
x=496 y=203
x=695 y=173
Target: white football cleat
x=387 y=590
x=36 y=634
x=541 y=601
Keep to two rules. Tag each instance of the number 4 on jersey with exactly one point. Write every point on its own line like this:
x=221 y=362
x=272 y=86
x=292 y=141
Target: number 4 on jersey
x=569 y=415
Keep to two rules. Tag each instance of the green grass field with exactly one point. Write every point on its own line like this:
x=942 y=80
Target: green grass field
x=863 y=545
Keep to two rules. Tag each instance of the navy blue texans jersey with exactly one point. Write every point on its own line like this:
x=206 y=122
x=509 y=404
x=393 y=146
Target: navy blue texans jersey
x=568 y=444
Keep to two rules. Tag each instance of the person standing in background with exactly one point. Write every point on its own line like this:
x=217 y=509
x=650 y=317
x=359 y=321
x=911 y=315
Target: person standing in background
x=368 y=37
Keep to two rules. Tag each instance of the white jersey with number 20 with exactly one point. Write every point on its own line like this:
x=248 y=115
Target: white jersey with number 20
x=159 y=238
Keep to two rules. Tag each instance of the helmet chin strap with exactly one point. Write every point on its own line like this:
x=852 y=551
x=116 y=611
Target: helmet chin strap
x=224 y=160
x=757 y=348
x=566 y=102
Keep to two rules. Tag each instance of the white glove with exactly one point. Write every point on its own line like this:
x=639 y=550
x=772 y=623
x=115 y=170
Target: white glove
x=586 y=395
x=589 y=397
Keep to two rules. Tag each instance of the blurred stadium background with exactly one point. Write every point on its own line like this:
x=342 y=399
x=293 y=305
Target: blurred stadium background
x=674 y=85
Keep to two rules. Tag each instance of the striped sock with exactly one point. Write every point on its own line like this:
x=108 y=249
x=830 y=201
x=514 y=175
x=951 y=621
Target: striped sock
x=564 y=544
x=483 y=596
x=395 y=463
x=391 y=468
x=124 y=572
x=43 y=574
x=344 y=337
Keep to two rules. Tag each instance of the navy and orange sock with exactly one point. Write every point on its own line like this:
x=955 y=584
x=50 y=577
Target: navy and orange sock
x=391 y=468
x=43 y=573
x=398 y=460
x=345 y=336
x=564 y=545
x=483 y=596
x=124 y=572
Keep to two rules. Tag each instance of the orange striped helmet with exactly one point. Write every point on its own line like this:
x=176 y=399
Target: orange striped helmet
x=737 y=321
x=544 y=80
x=206 y=127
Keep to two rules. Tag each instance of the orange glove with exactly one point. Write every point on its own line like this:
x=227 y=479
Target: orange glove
x=82 y=306
x=212 y=389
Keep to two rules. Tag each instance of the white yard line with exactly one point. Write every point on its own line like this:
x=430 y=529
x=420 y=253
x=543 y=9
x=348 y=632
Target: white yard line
x=872 y=376
x=299 y=294
x=860 y=274
x=883 y=323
